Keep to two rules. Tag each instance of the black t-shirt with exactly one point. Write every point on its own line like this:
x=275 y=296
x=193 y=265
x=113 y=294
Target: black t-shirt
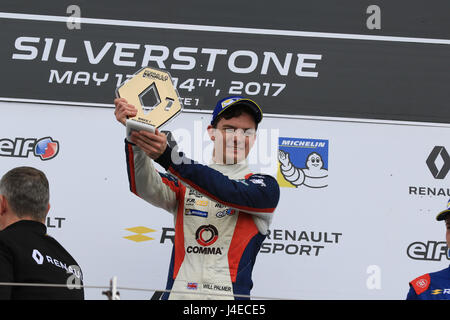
x=29 y=255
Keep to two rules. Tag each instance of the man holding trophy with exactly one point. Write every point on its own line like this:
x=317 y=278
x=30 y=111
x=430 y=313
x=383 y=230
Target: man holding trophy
x=222 y=211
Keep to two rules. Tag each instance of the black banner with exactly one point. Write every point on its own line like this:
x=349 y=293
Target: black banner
x=404 y=18
x=255 y=309
x=286 y=72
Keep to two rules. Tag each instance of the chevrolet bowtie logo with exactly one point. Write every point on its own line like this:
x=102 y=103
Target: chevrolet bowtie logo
x=139 y=236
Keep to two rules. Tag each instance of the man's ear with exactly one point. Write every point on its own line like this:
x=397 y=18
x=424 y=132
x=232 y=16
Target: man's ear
x=211 y=131
x=3 y=205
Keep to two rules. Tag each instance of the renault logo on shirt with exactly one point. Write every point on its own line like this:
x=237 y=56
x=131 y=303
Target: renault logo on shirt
x=37 y=256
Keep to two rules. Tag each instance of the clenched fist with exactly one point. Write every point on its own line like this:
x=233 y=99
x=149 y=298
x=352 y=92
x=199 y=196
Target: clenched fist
x=153 y=144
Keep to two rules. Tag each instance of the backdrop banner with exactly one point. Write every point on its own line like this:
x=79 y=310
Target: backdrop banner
x=362 y=230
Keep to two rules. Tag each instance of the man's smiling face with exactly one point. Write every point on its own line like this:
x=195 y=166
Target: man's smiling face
x=233 y=138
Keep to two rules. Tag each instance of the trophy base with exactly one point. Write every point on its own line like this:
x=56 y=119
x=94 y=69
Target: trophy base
x=133 y=125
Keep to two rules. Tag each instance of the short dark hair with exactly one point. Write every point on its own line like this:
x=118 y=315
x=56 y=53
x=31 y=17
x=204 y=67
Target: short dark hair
x=27 y=192
x=235 y=111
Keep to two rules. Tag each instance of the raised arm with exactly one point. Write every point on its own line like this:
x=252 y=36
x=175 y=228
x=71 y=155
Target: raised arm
x=257 y=194
x=161 y=190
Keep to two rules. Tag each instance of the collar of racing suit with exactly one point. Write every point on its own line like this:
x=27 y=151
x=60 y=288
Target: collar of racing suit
x=233 y=171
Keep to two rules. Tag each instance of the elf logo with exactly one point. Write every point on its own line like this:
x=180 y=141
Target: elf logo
x=45 y=148
x=431 y=250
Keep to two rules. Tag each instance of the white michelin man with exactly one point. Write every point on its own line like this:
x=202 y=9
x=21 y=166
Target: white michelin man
x=313 y=176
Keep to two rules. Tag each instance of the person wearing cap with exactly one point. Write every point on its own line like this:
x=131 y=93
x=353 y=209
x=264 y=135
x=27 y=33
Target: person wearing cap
x=435 y=285
x=222 y=211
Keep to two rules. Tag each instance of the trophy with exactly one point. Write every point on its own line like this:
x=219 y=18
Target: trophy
x=147 y=81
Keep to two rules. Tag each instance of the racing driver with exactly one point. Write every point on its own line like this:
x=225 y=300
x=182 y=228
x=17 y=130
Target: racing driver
x=222 y=211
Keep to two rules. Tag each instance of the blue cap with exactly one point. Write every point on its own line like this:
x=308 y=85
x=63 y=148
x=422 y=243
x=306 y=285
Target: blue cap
x=443 y=214
x=232 y=101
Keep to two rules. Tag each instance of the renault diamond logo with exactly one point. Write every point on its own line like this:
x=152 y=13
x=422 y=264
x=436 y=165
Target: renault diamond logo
x=139 y=236
x=438 y=162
